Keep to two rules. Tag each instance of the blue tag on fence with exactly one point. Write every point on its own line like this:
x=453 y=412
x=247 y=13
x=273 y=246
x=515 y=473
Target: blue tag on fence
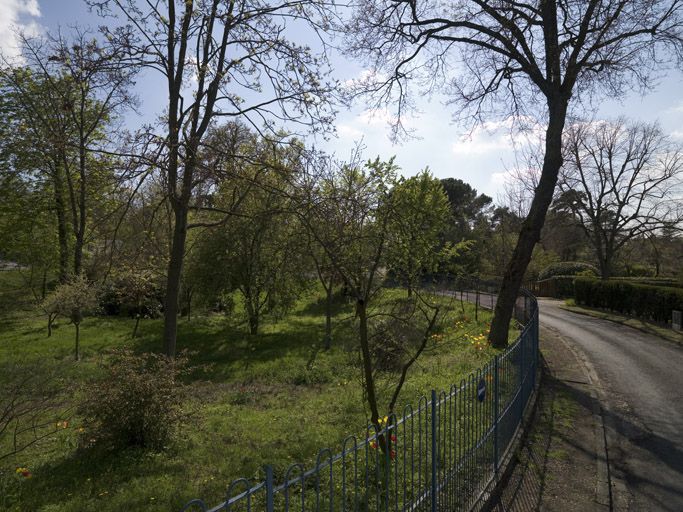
x=481 y=390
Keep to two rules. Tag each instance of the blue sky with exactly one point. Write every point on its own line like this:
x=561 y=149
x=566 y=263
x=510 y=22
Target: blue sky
x=479 y=157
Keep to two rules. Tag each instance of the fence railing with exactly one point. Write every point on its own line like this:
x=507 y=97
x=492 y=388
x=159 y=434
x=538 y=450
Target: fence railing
x=442 y=454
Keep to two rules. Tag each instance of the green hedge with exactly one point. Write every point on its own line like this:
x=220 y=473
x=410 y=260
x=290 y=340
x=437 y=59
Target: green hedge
x=670 y=282
x=644 y=301
x=566 y=268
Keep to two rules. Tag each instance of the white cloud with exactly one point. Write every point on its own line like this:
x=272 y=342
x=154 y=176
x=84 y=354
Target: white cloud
x=677 y=109
x=16 y=15
x=500 y=178
x=377 y=117
x=677 y=134
x=497 y=136
x=366 y=76
x=345 y=130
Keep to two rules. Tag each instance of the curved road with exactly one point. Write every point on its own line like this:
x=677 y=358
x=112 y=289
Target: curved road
x=640 y=385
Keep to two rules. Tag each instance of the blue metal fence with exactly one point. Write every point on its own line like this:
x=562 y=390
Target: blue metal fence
x=442 y=454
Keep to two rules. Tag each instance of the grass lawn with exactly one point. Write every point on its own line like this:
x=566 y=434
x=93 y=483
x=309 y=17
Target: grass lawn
x=274 y=398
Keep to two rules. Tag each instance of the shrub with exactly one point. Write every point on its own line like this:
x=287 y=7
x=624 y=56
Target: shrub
x=567 y=268
x=138 y=403
x=645 y=301
x=133 y=292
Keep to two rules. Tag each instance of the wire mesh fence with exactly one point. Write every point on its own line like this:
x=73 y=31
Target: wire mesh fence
x=442 y=453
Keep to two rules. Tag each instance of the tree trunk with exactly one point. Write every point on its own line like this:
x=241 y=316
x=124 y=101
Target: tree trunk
x=175 y=269
x=137 y=323
x=61 y=225
x=50 y=321
x=253 y=323
x=362 y=314
x=43 y=285
x=78 y=339
x=531 y=227
x=82 y=217
x=328 y=317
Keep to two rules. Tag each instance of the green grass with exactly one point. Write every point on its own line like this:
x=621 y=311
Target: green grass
x=274 y=398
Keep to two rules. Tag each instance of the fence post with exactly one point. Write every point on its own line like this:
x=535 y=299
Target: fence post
x=495 y=412
x=270 y=501
x=434 y=456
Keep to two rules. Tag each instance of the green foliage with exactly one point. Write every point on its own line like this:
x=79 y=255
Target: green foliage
x=421 y=214
x=540 y=260
x=135 y=292
x=653 y=281
x=73 y=300
x=568 y=268
x=644 y=301
x=258 y=249
x=638 y=270
x=138 y=403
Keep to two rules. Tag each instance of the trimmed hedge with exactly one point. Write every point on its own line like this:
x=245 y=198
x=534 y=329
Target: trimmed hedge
x=566 y=268
x=670 y=282
x=644 y=301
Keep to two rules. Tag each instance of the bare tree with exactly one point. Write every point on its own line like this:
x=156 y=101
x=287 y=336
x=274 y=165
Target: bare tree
x=219 y=59
x=621 y=182
x=529 y=60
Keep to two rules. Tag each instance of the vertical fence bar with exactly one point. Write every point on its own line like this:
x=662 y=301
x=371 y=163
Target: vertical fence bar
x=433 y=500
x=496 y=393
x=270 y=502
x=521 y=377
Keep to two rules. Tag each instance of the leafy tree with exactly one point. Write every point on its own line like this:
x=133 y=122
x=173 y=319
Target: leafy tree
x=500 y=240
x=470 y=223
x=414 y=246
x=257 y=249
x=467 y=208
x=621 y=181
x=245 y=68
x=74 y=300
x=35 y=149
x=64 y=100
x=527 y=61
x=351 y=221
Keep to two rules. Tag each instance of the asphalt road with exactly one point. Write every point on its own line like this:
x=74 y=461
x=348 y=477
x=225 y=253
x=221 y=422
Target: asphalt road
x=640 y=381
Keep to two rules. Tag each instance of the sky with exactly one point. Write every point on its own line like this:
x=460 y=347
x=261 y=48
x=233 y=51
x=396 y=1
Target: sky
x=481 y=157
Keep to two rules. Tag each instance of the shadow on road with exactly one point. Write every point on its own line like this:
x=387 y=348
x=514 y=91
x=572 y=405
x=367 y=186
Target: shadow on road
x=555 y=469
